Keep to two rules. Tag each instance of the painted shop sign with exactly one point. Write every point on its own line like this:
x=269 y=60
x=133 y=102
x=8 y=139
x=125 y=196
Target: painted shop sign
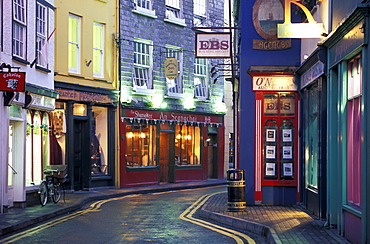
x=168 y=116
x=312 y=74
x=171 y=68
x=84 y=96
x=312 y=29
x=274 y=83
x=267 y=14
x=213 y=45
x=12 y=81
x=350 y=42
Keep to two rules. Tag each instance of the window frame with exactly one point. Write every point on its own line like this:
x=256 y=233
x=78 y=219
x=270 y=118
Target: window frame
x=19 y=42
x=175 y=87
x=100 y=61
x=201 y=72
x=76 y=43
x=147 y=82
x=41 y=33
x=146 y=10
x=174 y=12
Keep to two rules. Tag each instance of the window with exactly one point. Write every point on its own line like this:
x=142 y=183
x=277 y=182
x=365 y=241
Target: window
x=354 y=132
x=98 y=50
x=174 y=12
x=41 y=33
x=74 y=44
x=19 y=28
x=200 y=12
x=187 y=145
x=144 y=7
x=143 y=66
x=175 y=85
x=200 y=78
x=141 y=145
x=99 y=141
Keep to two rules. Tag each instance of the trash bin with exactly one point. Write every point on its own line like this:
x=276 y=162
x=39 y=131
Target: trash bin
x=236 y=190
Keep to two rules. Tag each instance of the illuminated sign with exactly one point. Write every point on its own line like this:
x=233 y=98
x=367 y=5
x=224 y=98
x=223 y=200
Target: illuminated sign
x=213 y=45
x=274 y=83
x=312 y=29
x=12 y=81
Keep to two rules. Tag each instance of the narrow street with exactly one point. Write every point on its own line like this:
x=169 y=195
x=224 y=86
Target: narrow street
x=168 y=217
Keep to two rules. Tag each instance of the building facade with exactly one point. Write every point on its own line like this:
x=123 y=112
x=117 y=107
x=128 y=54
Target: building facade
x=26 y=45
x=269 y=105
x=85 y=115
x=172 y=124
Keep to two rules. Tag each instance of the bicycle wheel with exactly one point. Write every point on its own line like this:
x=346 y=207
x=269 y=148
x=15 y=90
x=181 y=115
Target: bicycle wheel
x=43 y=193
x=57 y=192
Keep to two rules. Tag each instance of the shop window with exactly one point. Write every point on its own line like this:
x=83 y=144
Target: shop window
x=187 y=145
x=140 y=145
x=99 y=141
x=354 y=133
x=58 y=135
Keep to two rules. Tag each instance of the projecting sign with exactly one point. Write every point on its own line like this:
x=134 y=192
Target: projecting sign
x=312 y=29
x=171 y=68
x=12 y=81
x=274 y=83
x=213 y=45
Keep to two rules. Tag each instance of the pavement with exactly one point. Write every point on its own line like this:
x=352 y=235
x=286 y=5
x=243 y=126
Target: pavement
x=277 y=224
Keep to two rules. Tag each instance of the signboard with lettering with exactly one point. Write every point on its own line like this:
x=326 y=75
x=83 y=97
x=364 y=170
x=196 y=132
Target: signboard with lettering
x=312 y=29
x=169 y=116
x=84 y=96
x=12 y=81
x=274 y=83
x=213 y=45
x=171 y=68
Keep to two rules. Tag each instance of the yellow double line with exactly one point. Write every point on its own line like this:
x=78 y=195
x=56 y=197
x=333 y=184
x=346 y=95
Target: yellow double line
x=94 y=207
x=187 y=215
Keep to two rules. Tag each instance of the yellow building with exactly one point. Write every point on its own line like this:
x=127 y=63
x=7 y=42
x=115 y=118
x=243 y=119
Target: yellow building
x=84 y=121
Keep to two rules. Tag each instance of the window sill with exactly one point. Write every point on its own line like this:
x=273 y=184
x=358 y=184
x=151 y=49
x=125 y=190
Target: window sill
x=21 y=60
x=175 y=95
x=143 y=91
x=176 y=21
x=146 y=12
x=43 y=69
x=204 y=99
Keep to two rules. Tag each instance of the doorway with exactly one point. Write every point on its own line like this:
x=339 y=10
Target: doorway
x=212 y=156
x=166 y=158
x=81 y=158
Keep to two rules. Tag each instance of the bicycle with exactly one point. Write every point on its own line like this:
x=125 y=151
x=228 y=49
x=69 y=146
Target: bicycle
x=51 y=186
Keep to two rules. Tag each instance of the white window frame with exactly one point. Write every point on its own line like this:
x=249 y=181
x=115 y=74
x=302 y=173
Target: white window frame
x=41 y=32
x=200 y=13
x=98 y=60
x=144 y=7
x=201 y=80
x=19 y=28
x=143 y=64
x=174 y=12
x=77 y=44
x=175 y=86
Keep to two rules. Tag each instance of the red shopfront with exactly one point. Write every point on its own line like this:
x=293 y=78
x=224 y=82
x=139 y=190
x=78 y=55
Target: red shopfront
x=167 y=147
x=276 y=146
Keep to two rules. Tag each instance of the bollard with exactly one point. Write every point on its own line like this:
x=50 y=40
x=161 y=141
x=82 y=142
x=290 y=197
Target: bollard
x=236 y=190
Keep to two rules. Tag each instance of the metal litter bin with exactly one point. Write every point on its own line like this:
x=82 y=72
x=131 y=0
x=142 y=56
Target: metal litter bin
x=236 y=190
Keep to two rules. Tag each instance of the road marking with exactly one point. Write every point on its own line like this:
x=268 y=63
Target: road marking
x=94 y=207
x=187 y=215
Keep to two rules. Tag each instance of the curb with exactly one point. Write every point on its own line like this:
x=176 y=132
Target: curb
x=253 y=227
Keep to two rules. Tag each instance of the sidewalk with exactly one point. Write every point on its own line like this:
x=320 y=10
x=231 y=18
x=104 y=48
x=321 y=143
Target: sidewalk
x=277 y=223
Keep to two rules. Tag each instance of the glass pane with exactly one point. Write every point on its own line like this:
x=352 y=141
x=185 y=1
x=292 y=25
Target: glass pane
x=99 y=141
x=270 y=103
x=287 y=104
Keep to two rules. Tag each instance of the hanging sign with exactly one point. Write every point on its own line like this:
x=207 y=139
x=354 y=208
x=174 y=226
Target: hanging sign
x=171 y=68
x=312 y=29
x=213 y=45
x=12 y=81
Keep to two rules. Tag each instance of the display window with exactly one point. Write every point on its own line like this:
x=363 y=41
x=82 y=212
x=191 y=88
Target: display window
x=187 y=145
x=140 y=145
x=99 y=141
x=279 y=133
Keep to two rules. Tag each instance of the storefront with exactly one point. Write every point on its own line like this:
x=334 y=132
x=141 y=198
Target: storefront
x=276 y=145
x=84 y=134
x=313 y=90
x=169 y=147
